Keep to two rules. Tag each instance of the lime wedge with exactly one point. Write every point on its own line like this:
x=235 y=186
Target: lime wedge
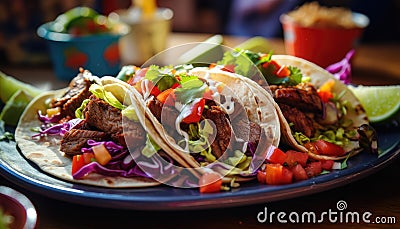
x=380 y=102
x=256 y=44
x=10 y=85
x=14 y=107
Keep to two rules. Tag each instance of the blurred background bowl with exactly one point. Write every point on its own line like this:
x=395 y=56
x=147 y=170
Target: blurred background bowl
x=147 y=36
x=321 y=45
x=17 y=209
x=98 y=53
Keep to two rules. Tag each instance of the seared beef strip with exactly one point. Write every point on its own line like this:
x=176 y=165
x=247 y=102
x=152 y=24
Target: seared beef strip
x=302 y=96
x=75 y=139
x=224 y=131
x=301 y=122
x=72 y=99
x=166 y=115
x=247 y=130
x=102 y=116
x=255 y=133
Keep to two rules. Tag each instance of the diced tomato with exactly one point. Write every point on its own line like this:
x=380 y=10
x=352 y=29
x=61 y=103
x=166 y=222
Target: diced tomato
x=195 y=111
x=296 y=157
x=327 y=164
x=283 y=72
x=275 y=155
x=313 y=168
x=77 y=163
x=261 y=177
x=325 y=91
x=154 y=90
x=299 y=173
x=175 y=85
x=323 y=147
x=210 y=182
x=88 y=157
x=162 y=97
x=287 y=176
x=229 y=68
x=325 y=96
x=101 y=154
x=277 y=174
x=273 y=65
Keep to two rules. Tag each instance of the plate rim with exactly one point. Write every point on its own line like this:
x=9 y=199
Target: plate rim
x=242 y=196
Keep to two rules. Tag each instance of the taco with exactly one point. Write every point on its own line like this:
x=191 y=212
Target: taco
x=91 y=134
x=214 y=119
x=318 y=113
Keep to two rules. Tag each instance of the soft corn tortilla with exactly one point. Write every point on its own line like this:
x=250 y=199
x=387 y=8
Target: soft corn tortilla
x=318 y=77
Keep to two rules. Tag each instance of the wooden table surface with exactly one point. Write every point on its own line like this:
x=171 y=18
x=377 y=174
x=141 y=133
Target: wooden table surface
x=378 y=193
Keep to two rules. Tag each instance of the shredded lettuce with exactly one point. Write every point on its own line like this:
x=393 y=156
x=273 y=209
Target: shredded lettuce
x=239 y=160
x=199 y=140
x=107 y=96
x=151 y=147
x=78 y=112
x=130 y=113
x=301 y=138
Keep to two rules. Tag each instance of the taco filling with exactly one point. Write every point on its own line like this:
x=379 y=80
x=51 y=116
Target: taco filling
x=317 y=115
x=199 y=116
x=101 y=134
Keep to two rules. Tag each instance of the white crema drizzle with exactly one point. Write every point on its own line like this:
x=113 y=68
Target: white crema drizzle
x=145 y=88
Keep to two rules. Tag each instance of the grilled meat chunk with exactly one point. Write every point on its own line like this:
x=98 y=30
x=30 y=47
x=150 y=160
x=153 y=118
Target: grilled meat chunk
x=166 y=115
x=104 y=117
x=224 y=130
x=302 y=96
x=72 y=99
x=301 y=122
x=75 y=139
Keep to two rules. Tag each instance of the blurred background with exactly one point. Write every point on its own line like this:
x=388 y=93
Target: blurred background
x=19 y=20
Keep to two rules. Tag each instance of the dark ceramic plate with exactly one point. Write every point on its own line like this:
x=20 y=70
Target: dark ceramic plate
x=15 y=168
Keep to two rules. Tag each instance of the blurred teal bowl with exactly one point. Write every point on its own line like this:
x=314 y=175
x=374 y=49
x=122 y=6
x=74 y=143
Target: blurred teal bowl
x=97 y=53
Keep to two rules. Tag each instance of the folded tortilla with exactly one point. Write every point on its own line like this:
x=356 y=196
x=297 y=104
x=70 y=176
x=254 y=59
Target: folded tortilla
x=259 y=107
x=45 y=151
x=318 y=77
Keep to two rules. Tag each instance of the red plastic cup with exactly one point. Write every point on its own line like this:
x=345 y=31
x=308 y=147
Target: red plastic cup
x=322 y=46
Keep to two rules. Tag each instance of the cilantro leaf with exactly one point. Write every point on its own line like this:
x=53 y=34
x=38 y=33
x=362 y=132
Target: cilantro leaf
x=243 y=60
x=162 y=78
x=295 y=75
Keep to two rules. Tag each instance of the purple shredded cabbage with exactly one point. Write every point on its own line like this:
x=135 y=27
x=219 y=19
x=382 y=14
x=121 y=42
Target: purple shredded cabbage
x=342 y=69
x=111 y=146
x=59 y=129
x=258 y=159
x=123 y=164
x=46 y=120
